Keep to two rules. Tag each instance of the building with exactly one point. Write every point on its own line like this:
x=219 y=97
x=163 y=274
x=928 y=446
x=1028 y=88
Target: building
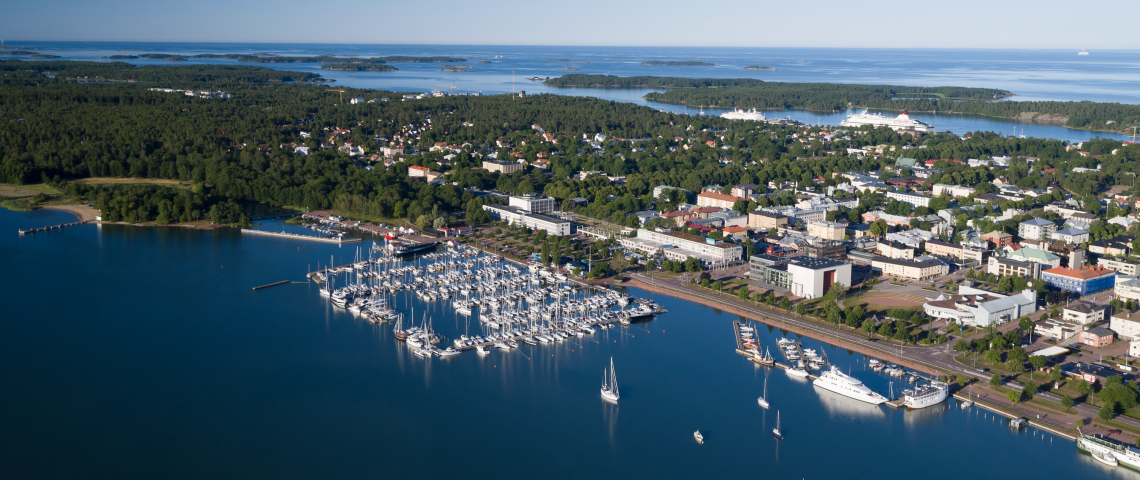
x=764 y=220
x=1126 y=325
x=1082 y=282
x=953 y=251
x=658 y=190
x=807 y=277
x=1035 y=255
x=744 y=190
x=1064 y=210
x=1073 y=236
x=713 y=199
x=355 y=100
x=533 y=203
x=1127 y=287
x=913 y=199
x=514 y=215
x=502 y=167
x=1118 y=246
x=1036 y=229
x=955 y=191
x=1005 y=266
x=1120 y=265
x=972 y=306
x=682 y=246
x=731 y=218
x=912 y=269
x=1084 y=313
x=1096 y=337
x=416 y=171
x=892 y=249
x=1056 y=329
x=736 y=233
x=999 y=238
x=827 y=230
x=825 y=249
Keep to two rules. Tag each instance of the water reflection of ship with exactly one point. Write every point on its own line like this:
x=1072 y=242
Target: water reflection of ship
x=840 y=405
x=609 y=418
x=914 y=418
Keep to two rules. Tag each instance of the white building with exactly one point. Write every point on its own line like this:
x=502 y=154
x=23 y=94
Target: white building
x=1036 y=229
x=514 y=215
x=355 y=100
x=981 y=308
x=1127 y=287
x=812 y=277
x=532 y=203
x=913 y=199
x=827 y=230
x=682 y=246
x=1073 y=236
x=955 y=191
x=1126 y=325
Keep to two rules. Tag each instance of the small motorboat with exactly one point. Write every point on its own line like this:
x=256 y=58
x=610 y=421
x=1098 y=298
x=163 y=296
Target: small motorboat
x=482 y=350
x=1106 y=458
x=967 y=404
x=700 y=438
x=796 y=372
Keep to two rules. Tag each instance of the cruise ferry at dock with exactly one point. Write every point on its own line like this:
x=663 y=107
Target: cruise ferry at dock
x=741 y=114
x=846 y=385
x=901 y=122
x=926 y=395
x=400 y=248
x=1105 y=447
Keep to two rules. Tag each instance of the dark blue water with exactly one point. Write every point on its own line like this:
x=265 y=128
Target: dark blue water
x=143 y=353
x=1103 y=76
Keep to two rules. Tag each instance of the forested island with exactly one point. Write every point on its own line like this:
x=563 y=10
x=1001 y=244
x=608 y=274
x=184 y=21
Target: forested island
x=674 y=63
x=830 y=97
x=758 y=67
x=238 y=154
x=359 y=67
x=270 y=58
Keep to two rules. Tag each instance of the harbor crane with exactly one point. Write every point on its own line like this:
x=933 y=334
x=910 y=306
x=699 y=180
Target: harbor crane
x=452 y=87
x=341 y=94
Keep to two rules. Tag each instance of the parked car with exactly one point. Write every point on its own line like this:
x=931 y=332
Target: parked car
x=1115 y=431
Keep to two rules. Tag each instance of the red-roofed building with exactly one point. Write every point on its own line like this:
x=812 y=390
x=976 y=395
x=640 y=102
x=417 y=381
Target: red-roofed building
x=418 y=171
x=739 y=233
x=713 y=199
x=1080 y=281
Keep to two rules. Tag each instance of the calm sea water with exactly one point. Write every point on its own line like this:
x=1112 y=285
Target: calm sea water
x=143 y=353
x=1102 y=76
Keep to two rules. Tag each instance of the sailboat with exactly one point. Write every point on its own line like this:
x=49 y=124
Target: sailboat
x=776 y=431
x=609 y=383
x=763 y=401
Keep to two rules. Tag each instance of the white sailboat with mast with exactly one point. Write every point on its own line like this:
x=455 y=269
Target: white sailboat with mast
x=609 y=383
x=763 y=401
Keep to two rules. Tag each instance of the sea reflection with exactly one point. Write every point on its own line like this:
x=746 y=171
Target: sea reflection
x=841 y=406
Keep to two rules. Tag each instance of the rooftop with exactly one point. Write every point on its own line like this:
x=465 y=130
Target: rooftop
x=1071 y=232
x=815 y=263
x=719 y=196
x=1037 y=222
x=1086 y=273
x=908 y=263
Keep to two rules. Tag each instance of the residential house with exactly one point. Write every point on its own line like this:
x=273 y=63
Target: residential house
x=1073 y=236
x=1118 y=246
x=1084 y=313
x=1096 y=337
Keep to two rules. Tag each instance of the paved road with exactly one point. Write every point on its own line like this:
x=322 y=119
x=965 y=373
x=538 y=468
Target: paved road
x=940 y=356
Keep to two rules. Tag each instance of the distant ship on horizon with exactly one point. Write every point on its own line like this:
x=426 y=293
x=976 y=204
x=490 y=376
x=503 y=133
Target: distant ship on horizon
x=1082 y=52
x=901 y=122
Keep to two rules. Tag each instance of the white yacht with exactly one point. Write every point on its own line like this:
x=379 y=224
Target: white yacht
x=609 y=383
x=926 y=395
x=741 y=114
x=1104 y=447
x=902 y=122
x=796 y=372
x=843 y=384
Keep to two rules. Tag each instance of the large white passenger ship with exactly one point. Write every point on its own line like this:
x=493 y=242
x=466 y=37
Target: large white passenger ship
x=741 y=114
x=1126 y=455
x=843 y=384
x=901 y=122
x=926 y=395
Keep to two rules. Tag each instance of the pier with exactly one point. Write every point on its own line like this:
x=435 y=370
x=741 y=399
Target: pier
x=299 y=236
x=50 y=227
x=272 y=285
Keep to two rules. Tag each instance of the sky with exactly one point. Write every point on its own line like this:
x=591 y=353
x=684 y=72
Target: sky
x=1046 y=24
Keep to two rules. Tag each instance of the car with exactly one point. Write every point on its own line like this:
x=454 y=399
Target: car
x=1115 y=431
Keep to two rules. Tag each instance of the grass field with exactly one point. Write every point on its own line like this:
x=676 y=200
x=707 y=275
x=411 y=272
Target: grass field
x=19 y=191
x=883 y=301
x=133 y=181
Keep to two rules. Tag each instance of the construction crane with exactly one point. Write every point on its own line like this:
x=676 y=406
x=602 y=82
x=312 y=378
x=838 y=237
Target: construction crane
x=341 y=94
x=452 y=87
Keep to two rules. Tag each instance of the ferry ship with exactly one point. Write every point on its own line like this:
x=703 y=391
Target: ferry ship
x=399 y=248
x=741 y=114
x=902 y=122
x=926 y=395
x=1105 y=447
x=843 y=384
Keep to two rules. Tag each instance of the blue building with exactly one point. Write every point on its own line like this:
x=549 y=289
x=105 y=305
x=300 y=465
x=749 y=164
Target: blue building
x=1082 y=282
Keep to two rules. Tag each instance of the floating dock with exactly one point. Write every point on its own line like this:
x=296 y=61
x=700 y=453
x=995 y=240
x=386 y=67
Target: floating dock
x=272 y=285
x=299 y=236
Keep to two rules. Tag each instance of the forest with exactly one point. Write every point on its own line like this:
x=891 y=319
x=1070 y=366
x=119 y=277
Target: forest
x=239 y=151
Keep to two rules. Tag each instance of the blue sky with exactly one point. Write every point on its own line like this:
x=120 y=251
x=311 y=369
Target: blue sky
x=1089 y=24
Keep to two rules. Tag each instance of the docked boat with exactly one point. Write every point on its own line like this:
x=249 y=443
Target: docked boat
x=796 y=372
x=700 y=438
x=926 y=395
x=609 y=383
x=399 y=249
x=762 y=358
x=741 y=114
x=1105 y=448
x=901 y=122
x=967 y=404
x=846 y=385
x=483 y=350
x=449 y=352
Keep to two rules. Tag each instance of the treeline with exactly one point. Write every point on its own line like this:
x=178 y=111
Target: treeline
x=142 y=203
x=358 y=67
x=825 y=97
x=181 y=76
x=270 y=58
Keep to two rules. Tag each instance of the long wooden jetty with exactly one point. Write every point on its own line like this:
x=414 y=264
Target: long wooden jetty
x=299 y=236
x=272 y=284
x=50 y=227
